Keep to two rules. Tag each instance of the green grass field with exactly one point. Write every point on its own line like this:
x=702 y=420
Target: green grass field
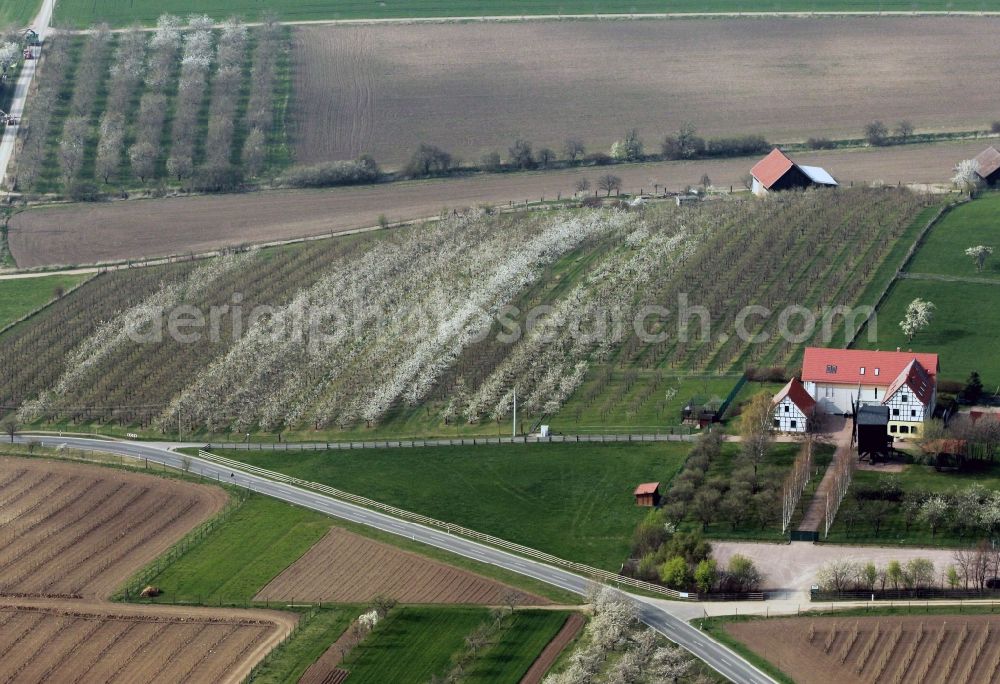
x=975 y=223
x=523 y=638
x=18 y=13
x=256 y=543
x=319 y=629
x=412 y=644
x=21 y=296
x=80 y=13
x=571 y=500
x=964 y=330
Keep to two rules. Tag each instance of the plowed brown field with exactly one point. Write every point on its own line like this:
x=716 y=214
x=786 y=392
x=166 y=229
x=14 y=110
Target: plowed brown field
x=475 y=87
x=78 y=531
x=89 y=233
x=347 y=568
x=69 y=535
x=85 y=642
x=930 y=649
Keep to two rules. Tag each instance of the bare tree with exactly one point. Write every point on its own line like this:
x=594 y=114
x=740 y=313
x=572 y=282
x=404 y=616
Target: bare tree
x=72 y=146
x=521 y=156
x=609 y=183
x=11 y=427
x=904 y=130
x=574 y=149
x=545 y=157
x=876 y=133
x=581 y=186
x=755 y=427
x=511 y=599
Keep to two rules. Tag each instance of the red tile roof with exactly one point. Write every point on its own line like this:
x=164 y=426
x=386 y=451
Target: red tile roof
x=917 y=379
x=647 y=488
x=796 y=391
x=988 y=160
x=772 y=167
x=843 y=366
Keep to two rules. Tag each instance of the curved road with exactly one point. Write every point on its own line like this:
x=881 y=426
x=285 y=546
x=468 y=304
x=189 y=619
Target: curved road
x=655 y=613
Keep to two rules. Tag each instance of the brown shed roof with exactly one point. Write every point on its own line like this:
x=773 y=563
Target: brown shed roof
x=771 y=168
x=647 y=488
x=989 y=161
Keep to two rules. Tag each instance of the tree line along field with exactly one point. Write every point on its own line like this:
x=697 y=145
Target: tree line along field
x=586 y=266
x=889 y=648
x=89 y=233
x=184 y=105
x=966 y=322
x=80 y=13
x=385 y=89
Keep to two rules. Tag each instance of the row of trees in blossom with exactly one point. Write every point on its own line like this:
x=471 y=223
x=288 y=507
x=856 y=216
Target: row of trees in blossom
x=152 y=126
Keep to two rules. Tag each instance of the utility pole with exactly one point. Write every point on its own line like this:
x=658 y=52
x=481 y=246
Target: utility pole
x=514 y=428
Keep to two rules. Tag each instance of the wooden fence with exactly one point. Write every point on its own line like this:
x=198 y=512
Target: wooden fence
x=458 y=530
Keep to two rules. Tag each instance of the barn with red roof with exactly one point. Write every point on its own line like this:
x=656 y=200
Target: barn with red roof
x=903 y=381
x=988 y=165
x=777 y=172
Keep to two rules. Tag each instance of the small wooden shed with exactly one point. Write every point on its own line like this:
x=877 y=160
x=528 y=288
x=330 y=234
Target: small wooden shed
x=647 y=494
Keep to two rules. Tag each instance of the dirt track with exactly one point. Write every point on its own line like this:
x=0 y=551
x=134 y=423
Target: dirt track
x=547 y=658
x=931 y=649
x=474 y=87
x=80 y=234
x=375 y=569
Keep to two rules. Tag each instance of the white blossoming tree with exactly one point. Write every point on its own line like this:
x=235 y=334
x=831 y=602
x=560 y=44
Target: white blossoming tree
x=978 y=254
x=918 y=316
x=966 y=177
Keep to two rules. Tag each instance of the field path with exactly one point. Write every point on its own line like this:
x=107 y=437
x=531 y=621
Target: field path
x=79 y=234
x=7 y=143
x=812 y=520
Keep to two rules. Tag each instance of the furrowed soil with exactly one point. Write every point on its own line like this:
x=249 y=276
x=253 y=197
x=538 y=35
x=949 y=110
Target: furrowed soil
x=63 y=641
x=347 y=568
x=70 y=534
x=547 y=658
x=931 y=649
x=73 y=530
x=90 y=233
x=473 y=88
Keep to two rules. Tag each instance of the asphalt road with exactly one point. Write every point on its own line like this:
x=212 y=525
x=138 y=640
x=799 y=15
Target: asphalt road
x=655 y=613
x=7 y=141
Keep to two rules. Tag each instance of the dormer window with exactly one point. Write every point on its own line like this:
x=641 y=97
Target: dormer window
x=831 y=368
x=862 y=371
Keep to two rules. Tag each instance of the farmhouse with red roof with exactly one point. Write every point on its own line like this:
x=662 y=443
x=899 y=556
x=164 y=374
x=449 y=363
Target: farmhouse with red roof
x=903 y=381
x=793 y=407
x=777 y=172
x=988 y=165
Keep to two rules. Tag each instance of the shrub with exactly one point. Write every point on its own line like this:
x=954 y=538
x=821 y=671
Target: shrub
x=84 y=191
x=521 y=156
x=363 y=170
x=598 y=159
x=685 y=144
x=491 y=162
x=218 y=177
x=876 y=133
x=675 y=573
x=820 y=144
x=428 y=160
x=737 y=147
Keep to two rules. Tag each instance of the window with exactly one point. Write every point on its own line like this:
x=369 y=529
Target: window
x=895 y=412
x=831 y=368
x=902 y=398
x=913 y=413
x=904 y=429
x=892 y=428
x=829 y=392
x=876 y=371
x=793 y=424
x=862 y=371
x=787 y=408
x=913 y=429
x=777 y=423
